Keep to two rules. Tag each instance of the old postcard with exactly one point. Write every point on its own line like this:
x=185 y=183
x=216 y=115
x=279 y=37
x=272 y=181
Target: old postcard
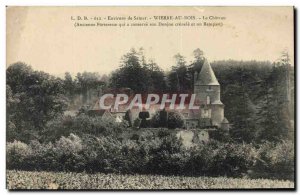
x=148 y=98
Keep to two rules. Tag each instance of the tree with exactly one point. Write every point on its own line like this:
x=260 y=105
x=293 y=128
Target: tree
x=157 y=81
x=160 y=119
x=69 y=84
x=179 y=79
x=243 y=125
x=198 y=60
x=242 y=111
x=143 y=116
x=138 y=74
x=128 y=118
x=274 y=118
x=131 y=74
x=163 y=118
x=11 y=108
x=175 y=120
x=173 y=82
x=40 y=99
x=87 y=82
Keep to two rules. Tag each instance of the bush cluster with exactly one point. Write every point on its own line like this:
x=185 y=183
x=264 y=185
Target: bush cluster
x=275 y=161
x=164 y=155
x=80 y=125
x=168 y=119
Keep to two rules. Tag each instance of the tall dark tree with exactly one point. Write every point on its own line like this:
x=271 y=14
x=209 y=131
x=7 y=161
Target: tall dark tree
x=138 y=74
x=273 y=113
x=242 y=110
x=241 y=114
x=156 y=75
x=131 y=73
x=179 y=79
x=69 y=86
x=198 y=60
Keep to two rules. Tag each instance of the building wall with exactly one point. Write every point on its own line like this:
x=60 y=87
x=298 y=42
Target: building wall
x=208 y=95
x=202 y=91
x=217 y=115
x=206 y=112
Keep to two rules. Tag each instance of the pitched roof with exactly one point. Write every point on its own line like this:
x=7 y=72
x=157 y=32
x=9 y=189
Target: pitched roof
x=207 y=75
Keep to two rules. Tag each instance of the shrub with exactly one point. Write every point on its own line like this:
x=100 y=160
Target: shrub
x=175 y=120
x=16 y=155
x=44 y=157
x=163 y=133
x=101 y=154
x=275 y=161
x=137 y=123
x=135 y=137
x=80 y=125
x=153 y=155
x=70 y=145
x=232 y=159
x=221 y=159
x=220 y=135
x=159 y=119
x=171 y=120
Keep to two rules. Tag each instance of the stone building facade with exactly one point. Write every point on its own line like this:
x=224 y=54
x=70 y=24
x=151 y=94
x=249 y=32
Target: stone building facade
x=208 y=94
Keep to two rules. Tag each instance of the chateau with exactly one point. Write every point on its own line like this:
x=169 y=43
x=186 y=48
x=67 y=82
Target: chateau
x=208 y=115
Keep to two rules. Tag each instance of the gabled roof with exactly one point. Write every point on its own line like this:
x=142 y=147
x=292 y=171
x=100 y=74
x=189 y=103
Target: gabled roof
x=207 y=75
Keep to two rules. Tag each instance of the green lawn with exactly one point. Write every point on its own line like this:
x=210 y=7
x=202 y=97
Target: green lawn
x=61 y=180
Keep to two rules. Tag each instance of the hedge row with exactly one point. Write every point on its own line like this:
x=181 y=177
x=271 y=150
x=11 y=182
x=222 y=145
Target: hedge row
x=156 y=156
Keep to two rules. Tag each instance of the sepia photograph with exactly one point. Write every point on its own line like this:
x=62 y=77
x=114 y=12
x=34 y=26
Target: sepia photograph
x=150 y=98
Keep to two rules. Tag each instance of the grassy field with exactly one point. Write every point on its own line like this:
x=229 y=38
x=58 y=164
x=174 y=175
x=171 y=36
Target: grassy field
x=50 y=180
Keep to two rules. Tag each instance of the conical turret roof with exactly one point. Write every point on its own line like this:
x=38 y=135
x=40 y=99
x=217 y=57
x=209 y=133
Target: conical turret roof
x=207 y=75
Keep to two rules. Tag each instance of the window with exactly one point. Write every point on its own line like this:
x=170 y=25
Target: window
x=209 y=88
x=207 y=100
x=205 y=113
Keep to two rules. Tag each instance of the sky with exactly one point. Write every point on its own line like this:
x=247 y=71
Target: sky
x=46 y=39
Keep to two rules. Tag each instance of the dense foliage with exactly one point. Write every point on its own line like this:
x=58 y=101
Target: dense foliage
x=33 y=98
x=81 y=125
x=169 y=119
x=137 y=74
x=153 y=156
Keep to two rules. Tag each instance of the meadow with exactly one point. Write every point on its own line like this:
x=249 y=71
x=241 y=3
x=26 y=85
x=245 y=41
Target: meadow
x=23 y=180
